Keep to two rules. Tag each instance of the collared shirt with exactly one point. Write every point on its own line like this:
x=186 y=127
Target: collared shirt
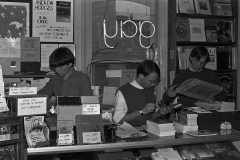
x=120 y=105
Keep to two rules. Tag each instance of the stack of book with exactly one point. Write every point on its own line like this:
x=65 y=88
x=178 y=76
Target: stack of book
x=161 y=130
x=187 y=122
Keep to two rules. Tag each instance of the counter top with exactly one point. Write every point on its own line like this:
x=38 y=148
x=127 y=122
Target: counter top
x=136 y=143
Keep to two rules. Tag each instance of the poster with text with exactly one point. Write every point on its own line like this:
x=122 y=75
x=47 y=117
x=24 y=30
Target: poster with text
x=53 y=20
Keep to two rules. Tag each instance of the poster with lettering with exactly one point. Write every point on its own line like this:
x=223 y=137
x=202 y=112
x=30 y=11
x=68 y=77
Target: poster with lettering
x=53 y=20
x=14 y=24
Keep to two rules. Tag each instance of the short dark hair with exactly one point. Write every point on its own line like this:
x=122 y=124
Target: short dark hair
x=147 y=67
x=60 y=57
x=199 y=52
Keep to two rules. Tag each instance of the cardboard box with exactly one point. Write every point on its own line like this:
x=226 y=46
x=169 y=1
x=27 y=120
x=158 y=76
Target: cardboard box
x=25 y=105
x=90 y=105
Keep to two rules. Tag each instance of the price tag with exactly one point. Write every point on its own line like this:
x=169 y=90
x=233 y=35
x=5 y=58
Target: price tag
x=65 y=139
x=91 y=137
x=91 y=109
x=22 y=90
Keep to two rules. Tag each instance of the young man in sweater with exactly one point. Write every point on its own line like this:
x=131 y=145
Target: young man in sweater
x=66 y=81
x=199 y=57
x=136 y=102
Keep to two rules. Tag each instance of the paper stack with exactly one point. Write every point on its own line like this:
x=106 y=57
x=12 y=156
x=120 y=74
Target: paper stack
x=187 y=122
x=161 y=130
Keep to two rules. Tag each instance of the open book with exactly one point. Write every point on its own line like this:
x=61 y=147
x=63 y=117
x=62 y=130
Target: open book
x=198 y=89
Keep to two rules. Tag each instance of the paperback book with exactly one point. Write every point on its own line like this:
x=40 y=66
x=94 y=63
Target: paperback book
x=182 y=29
x=9 y=152
x=225 y=31
x=211 y=33
x=202 y=7
x=223 y=8
x=201 y=133
x=186 y=6
x=197 y=30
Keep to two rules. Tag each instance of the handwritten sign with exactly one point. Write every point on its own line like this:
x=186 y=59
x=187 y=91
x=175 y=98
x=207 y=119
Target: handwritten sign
x=113 y=73
x=91 y=109
x=22 y=90
x=91 y=137
x=32 y=106
x=65 y=139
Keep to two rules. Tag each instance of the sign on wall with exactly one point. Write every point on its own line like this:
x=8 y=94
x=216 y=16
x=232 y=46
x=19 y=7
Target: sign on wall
x=53 y=20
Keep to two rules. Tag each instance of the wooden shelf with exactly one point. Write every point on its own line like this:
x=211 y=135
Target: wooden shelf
x=204 y=16
x=26 y=76
x=188 y=43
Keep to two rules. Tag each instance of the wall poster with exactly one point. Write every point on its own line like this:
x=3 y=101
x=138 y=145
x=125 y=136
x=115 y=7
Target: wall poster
x=53 y=20
x=14 y=23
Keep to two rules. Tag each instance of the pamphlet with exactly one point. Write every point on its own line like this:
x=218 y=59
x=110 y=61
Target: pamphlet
x=201 y=133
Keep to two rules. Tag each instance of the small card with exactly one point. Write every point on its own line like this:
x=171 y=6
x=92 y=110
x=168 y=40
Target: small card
x=65 y=139
x=91 y=109
x=22 y=90
x=91 y=137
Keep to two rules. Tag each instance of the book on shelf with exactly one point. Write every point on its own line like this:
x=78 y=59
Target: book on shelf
x=222 y=150
x=198 y=151
x=35 y=137
x=197 y=30
x=65 y=132
x=183 y=56
x=33 y=124
x=201 y=133
x=225 y=31
x=182 y=29
x=212 y=64
x=186 y=6
x=165 y=153
x=224 y=57
x=9 y=152
x=89 y=129
x=202 y=7
x=211 y=33
x=223 y=8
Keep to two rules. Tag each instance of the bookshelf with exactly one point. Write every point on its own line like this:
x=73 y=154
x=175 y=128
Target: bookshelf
x=229 y=73
x=17 y=139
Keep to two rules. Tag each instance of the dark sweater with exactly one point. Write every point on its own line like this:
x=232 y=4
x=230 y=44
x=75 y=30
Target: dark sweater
x=136 y=99
x=205 y=74
x=77 y=84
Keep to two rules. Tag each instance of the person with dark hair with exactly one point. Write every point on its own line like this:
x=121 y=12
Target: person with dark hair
x=66 y=81
x=136 y=102
x=198 y=58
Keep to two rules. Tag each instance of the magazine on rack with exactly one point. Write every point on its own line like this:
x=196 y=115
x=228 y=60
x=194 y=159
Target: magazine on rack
x=198 y=89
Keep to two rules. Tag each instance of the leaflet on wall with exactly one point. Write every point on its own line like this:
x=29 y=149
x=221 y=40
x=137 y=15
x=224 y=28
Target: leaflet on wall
x=53 y=20
x=46 y=50
x=14 y=24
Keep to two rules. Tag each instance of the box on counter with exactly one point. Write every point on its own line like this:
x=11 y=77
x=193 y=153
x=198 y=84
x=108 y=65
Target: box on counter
x=188 y=118
x=184 y=128
x=25 y=105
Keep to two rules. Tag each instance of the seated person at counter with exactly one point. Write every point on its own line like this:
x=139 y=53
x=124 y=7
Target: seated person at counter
x=198 y=58
x=66 y=81
x=135 y=102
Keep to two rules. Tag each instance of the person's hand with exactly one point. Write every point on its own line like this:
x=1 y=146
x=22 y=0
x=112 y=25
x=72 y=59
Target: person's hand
x=150 y=107
x=172 y=92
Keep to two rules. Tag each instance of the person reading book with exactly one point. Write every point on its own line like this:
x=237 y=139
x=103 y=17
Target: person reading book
x=198 y=58
x=66 y=81
x=135 y=102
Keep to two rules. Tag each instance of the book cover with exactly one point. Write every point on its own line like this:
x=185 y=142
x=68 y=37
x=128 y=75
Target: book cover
x=202 y=7
x=186 y=6
x=65 y=127
x=33 y=124
x=197 y=30
x=211 y=33
x=14 y=131
x=222 y=150
x=165 y=153
x=212 y=64
x=225 y=31
x=4 y=132
x=182 y=29
x=87 y=125
x=198 y=89
x=35 y=137
x=224 y=59
x=185 y=152
x=9 y=152
x=201 y=133
x=223 y=9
